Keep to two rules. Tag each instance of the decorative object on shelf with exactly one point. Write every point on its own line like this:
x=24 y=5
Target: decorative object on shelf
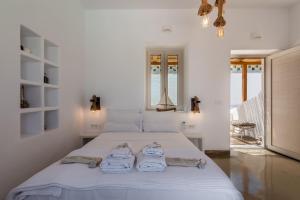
x=27 y=50
x=205 y=9
x=22 y=47
x=95 y=103
x=165 y=104
x=23 y=102
x=195 y=104
x=46 y=79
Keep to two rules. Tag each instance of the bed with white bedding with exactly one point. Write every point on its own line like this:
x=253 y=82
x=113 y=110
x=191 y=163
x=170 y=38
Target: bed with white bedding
x=78 y=182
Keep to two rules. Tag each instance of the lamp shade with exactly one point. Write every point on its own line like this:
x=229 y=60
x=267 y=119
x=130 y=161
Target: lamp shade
x=95 y=103
x=195 y=104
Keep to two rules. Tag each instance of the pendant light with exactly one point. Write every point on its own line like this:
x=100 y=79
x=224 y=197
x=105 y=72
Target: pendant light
x=220 y=21
x=204 y=10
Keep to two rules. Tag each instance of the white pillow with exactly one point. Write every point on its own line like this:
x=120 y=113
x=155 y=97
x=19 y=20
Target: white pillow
x=120 y=127
x=127 y=120
x=160 y=127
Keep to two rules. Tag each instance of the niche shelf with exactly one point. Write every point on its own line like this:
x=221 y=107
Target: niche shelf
x=32 y=94
x=52 y=73
x=51 y=97
x=31 y=42
x=38 y=57
x=29 y=56
x=50 y=52
x=31 y=124
x=31 y=69
x=51 y=120
x=30 y=110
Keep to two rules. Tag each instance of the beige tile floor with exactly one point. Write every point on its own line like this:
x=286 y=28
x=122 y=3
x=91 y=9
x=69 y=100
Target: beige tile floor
x=261 y=174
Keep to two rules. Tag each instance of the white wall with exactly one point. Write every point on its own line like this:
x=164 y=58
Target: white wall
x=61 y=22
x=295 y=25
x=115 y=45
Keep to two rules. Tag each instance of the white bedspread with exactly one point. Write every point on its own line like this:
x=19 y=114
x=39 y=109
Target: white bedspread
x=78 y=182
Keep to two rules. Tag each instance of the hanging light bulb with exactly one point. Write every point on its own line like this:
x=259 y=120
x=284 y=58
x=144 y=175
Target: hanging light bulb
x=204 y=11
x=220 y=31
x=205 y=21
x=220 y=21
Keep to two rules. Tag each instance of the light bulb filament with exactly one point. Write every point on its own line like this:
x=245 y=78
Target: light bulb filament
x=220 y=32
x=205 y=21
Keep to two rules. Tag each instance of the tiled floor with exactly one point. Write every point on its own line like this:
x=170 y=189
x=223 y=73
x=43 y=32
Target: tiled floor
x=234 y=141
x=261 y=174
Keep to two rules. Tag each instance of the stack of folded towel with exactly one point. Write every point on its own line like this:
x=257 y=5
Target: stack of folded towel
x=151 y=159
x=120 y=160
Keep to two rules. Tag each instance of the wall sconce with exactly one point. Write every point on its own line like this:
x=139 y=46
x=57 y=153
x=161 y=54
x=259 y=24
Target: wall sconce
x=95 y=103
x=195 y=104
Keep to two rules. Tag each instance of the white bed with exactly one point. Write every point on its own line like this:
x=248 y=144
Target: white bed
x=78 y=182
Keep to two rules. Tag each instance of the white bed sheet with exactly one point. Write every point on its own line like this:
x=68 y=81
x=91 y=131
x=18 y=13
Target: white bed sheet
x=78 y=182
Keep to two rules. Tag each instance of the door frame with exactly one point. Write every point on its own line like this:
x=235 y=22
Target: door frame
x=263 y=57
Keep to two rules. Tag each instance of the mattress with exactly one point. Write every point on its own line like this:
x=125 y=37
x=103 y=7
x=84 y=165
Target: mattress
x=78 y=182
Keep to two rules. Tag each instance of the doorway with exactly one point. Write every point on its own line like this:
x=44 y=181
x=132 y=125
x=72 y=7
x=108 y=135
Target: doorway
x=246 y=102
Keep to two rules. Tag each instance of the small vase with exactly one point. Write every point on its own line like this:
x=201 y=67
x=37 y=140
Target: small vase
x=46 y=79
x=23 y=102
x=27 y=50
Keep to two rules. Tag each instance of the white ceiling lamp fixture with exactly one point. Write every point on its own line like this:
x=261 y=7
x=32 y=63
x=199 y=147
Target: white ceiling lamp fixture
x=256 y=36
x=205 y=9
x=167 y=29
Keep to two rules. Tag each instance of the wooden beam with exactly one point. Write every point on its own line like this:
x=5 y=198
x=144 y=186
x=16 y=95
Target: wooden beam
x=248 y=63
x=244 y=82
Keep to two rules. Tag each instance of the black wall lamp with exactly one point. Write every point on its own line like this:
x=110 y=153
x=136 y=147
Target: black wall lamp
x=95 y=103
x=195 y=101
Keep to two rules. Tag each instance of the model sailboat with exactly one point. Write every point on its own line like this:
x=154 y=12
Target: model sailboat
x=165 y=103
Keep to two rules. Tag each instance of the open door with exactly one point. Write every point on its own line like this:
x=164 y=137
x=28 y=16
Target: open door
x=282 y=102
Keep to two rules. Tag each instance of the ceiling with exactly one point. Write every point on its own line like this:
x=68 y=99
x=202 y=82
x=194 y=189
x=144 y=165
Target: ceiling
x=182 y=4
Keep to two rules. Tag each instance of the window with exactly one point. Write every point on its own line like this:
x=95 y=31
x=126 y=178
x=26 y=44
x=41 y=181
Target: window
x=164 y=77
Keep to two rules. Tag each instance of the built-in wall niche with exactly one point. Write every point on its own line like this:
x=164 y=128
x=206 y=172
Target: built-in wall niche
x=50 y=51
x=31 y=124
x=51 y=97
x=51 y=120
x=31 y=43
x=51 y=73
x=31 y=69
x=39 y=83
x=31 y=94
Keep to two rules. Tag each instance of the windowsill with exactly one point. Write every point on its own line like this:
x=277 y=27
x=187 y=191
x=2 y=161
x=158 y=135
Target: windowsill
x=154 y=110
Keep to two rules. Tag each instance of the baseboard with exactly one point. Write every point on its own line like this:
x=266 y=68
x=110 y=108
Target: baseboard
x=217 y=153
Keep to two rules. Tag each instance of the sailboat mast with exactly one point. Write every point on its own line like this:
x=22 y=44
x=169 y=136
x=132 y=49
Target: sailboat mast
x=166 y=99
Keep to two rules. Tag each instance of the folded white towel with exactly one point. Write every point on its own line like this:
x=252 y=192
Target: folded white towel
x=120 y=160
x=147 y=163
x=153 y=149
x=121 y=151
x=117 y=165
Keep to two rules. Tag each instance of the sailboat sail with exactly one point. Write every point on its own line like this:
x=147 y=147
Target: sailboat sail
x=165 y=103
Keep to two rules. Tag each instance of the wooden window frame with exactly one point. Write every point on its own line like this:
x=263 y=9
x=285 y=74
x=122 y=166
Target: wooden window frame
x=164 y=52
